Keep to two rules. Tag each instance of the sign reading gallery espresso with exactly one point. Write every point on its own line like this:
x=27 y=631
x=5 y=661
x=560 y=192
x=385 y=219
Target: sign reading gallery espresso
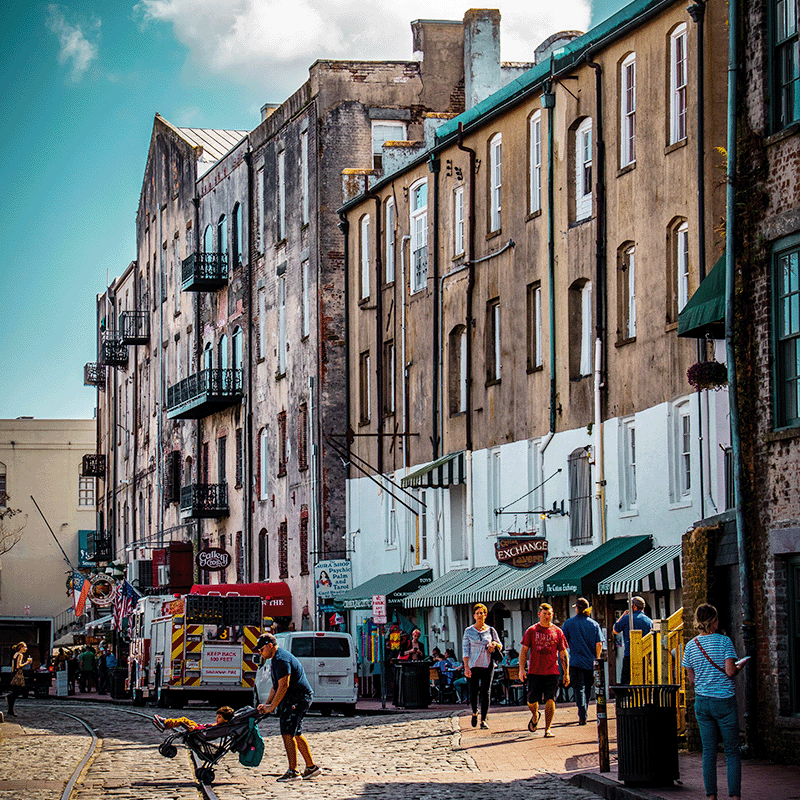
x=520 y=552
x=213 y=559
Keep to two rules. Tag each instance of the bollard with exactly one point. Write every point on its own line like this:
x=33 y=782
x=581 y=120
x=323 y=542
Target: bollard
x=602 y=715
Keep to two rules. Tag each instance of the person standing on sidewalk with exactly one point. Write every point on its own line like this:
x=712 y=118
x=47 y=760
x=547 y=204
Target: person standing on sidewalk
x=711 y=665
x=478 y=643
x=641 y=622
x=585 y=641
x=88 y=664
x=538 y=662
x=291 y=695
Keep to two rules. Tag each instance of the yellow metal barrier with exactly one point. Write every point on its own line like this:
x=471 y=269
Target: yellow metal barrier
x=656 y=658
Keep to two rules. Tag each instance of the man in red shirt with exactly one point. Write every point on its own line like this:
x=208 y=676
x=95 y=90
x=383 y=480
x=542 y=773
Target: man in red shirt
x=538 y=661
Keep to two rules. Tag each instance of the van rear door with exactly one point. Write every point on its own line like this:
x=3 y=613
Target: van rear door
x=335 y=663
x=301 y=646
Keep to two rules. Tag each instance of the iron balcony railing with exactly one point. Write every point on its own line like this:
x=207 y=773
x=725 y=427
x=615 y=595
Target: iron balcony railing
x=113 y=352
x=94 y=374
x=94 y=465
x=204 y=393
x=204 y=272
x=100 y=546
x=204 y=500
x=134 y=327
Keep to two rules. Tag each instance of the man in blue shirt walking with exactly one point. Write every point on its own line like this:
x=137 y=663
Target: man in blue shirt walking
x=585 y=641
x=642 y=623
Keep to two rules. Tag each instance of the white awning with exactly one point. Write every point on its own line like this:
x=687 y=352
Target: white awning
x=658 y=570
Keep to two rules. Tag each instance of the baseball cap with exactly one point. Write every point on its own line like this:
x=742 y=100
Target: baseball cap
x=581 y=604
x=264 y=639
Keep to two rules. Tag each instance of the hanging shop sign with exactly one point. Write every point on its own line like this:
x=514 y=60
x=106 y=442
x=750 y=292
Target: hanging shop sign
x=213 y=559
x=520 y=552
x=101 y=591
x=333 y=577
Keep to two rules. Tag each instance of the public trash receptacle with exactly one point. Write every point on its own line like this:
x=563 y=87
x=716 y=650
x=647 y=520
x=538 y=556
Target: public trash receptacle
x=41 y=683
x=413 y=684
x=647 y=734
x=116 y=684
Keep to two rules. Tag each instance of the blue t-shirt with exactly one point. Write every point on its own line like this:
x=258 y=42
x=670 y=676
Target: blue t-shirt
x=708 y=680
x=583 y=633
x=640 y=621
x=284 y=663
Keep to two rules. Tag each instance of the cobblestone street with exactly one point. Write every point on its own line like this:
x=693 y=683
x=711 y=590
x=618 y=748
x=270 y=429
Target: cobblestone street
x=402 y=756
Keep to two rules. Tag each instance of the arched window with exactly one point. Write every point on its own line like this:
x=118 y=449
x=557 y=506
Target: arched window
x=263 y=464
x=208 y=239
x=238 y=245
x=457 y=372
x=583 y=170
x=236 y=343
x=419 y=235
x=222 y=236
x=222 y=352
x=677 y=267
x=208 y=356
x=263 y=555
x=626 y=292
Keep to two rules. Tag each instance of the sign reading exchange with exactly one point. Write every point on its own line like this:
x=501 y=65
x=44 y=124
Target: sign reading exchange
x=520 y=552
x=213 y=559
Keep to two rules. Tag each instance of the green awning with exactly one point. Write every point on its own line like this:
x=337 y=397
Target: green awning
x=395 y=585
x=442 y=473
x=705 y=311
x=582 y=576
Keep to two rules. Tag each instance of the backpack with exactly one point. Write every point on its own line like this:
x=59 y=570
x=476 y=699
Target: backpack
x=253 y=747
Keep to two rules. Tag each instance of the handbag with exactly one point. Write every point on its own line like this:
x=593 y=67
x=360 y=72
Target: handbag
x=497 y=655
x=18 y=679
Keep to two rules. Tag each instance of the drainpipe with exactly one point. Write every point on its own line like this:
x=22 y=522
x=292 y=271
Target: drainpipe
x=379 y=400
x=344 y=227
x=748 y=627
x=247 y=493
x=470 y=280
x=198 y=346
x=161 y=377
x=600 y=294
x=403 y=241
x=548 y=103
x=434 y=165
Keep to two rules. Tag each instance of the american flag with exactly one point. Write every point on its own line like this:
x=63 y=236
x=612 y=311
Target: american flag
x=125 y=599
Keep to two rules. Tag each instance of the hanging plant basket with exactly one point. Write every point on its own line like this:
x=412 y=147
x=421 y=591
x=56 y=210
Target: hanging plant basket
x=708 y=375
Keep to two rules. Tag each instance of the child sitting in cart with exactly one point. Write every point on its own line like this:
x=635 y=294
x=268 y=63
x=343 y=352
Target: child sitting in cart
x=224 y=714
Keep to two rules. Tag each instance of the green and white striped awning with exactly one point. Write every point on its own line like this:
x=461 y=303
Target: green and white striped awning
x=450 y=470
x=488 y=584
x=658 y=570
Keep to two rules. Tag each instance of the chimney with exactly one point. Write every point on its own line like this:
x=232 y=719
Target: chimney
x=482 y=68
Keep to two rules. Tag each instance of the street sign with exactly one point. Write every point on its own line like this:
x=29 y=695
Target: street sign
x=379 y=609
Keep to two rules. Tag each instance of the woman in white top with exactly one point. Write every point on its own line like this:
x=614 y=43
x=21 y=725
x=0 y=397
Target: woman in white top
x=711 y=665
x=479 y=641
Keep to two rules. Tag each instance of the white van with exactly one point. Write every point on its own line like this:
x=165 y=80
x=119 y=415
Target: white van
x=329 y=660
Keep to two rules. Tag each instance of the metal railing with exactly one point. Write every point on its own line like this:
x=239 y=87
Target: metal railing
x=656 y=658
x=94 y=374
x=205 y=500
x=100 y=546
x=93 y=465
x=134 y=327
x=208 y=384
x=113 y=352
x=204 y=271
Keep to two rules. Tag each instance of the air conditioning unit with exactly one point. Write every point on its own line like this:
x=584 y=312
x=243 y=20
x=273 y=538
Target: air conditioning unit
x=163 y=575
x=140 y=573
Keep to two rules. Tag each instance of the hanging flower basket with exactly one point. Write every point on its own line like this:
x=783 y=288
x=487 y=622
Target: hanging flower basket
x=708 y=375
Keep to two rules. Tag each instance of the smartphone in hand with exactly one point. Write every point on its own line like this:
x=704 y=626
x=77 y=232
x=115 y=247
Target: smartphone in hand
x=742 y=661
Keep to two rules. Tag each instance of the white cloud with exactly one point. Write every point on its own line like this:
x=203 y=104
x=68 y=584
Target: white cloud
x=76 y=47
x=242 y=38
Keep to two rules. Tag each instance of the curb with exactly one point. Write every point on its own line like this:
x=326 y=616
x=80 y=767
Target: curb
x=607 y=788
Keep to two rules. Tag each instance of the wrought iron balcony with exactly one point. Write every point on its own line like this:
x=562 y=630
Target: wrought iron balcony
x=204 y=393
x=134 y=327
x=204 y=272
x=94 y=465
x=204 y=500
x=113 y=352
x=94 y=374
x=100 y=546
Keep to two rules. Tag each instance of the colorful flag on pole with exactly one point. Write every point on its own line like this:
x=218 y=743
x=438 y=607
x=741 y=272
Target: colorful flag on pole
x=80 y=591
x=125 y=599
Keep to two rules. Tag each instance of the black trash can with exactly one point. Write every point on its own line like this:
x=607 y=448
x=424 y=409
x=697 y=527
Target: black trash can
x=116 y=684
x=413 y=684
x=647 y=734
x=41 y=683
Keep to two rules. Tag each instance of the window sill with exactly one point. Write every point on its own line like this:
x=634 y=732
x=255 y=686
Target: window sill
x=671 y=326
x=279 y=376
x=531 y=370
x=363 y=422
x=784 y=133
x=627 y=168
x=281 y=474
x=628 y=513
x=493 y=234
x=581 y=221
x=363 y=302
x=685 y=503
x=533 y=215
x=280 y=243
x=623 y=342
x=782 y=435
x=388 y=285
x=671 y=148
x=786 y=721
x=302 y=469
x=494 y=382
x=458 y=257
x=454 y=414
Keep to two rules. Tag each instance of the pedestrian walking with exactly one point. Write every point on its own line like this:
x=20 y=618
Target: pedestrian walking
x=102 y=670
x=478 y=644
x=72 y=671
x=585 y=640
x=290 y=695
x=542 y=644
x=87 y=662
x=18 y=664
x=640 y=622
x=711 y=664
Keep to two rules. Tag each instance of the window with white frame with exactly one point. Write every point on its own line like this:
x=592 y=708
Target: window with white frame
x=422 y=554
x=457 y=495
x=305 y=324
x=419 y=235
x=583 y=170
x=363 y=246
x=385 y=131
x=493 y=364
x=238 y=236
x=237 y=347
x=458 y=221
x=586 y=329
x=364 y=389
x=177 y=271
x=627 y=133
x=534 y=348
x=627 y=499
x=222 y=238
x=495 y=181
x=457 y=370
x=263 y=464
x=208 y=356
x=222 y=352
x=682 y=452
x=494 y=494
x=580 y=497
x=388 y=261
x=682 y=263
x=388 y=378
x=262 y=322
x=535 y=131
x=178 y=361
x=281 y=232
x=677 y=84
x=626 y=292
x=85 y=492
x=281 y=354
x=390 y=519
x=304 y=176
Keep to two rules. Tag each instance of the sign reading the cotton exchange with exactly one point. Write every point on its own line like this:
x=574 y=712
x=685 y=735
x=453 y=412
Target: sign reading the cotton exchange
x=213 y=559
x=521 y=551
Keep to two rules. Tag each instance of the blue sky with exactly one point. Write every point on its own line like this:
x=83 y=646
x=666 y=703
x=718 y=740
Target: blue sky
x=81 y=82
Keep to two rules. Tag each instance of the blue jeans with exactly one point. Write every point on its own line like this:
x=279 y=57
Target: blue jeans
x=581 y=680
x=718 y=717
